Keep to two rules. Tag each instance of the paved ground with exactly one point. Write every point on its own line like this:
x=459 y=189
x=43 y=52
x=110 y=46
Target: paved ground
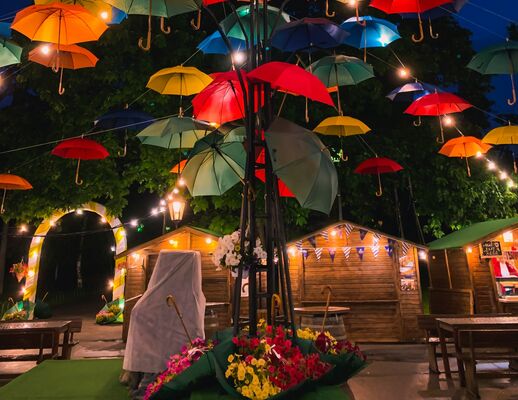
x=396 y=372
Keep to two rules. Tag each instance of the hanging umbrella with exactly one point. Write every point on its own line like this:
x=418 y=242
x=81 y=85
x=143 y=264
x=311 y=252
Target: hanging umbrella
x=303 y=163
x=178 y=168
x=214 y=44
x=180 y=81
x=464 y=147
x=117 y=16
x=80 y=149
x=96 y=7
x=10 y=53
x=308 y=34
x=260 y=174
x=58 y=23
x=498 y=60
x=409 y=6
x=502 y=135
x=174 y=133
x=370 y=32
x=377 y=166
x=59 y=57
x=214 y=165
x=340 y=70
x=511 y=148
x=437 y=104
x=12 y=182
x=410 y=92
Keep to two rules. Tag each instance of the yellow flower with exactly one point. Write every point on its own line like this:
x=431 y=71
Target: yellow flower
x=260 y=363
x=255 y=380
x=230 y=358
x=249 y=369
x=241 y=372
x=254 y=361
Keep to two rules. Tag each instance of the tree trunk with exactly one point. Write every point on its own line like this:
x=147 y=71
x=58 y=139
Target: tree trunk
x=3 y=253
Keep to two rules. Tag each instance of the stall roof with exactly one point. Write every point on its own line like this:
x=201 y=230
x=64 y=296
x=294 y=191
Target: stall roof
x=473 y=233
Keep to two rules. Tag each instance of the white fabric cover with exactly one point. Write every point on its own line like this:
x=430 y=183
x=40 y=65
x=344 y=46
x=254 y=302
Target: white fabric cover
x=155 y=331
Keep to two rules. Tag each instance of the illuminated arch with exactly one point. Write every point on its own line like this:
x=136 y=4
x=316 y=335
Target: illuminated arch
x=31 y=282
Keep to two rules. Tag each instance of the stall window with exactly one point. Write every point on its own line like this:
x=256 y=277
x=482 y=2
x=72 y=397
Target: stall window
x=407 y=272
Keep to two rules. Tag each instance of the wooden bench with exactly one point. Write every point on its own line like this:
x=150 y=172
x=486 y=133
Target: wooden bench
x=428 y=324
x=487 y=345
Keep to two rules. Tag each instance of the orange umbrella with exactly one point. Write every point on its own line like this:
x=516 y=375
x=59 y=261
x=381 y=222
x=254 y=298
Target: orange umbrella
x=12 y=182
x=58 y=23
x=63 y=56
x=178 y=168
x=464 y=147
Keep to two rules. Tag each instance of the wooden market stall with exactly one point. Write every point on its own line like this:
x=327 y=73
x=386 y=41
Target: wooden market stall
x=475 y=269
x=374 y=274
x=141 y=260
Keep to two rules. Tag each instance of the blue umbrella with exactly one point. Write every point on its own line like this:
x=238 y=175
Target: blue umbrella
x=307 y=34
x=214 y=44
x=127 y=119
x=411 y=91
x=9 y=8
x=117 y=16
x=5 y=30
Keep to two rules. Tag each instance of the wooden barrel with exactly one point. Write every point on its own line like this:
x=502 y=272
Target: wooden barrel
x=334 y=324
x=211 y=323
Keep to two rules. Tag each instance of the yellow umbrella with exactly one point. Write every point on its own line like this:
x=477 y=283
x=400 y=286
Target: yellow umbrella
x=180 y=81
x=342 y=126
x=96 y=7
x=502 y=135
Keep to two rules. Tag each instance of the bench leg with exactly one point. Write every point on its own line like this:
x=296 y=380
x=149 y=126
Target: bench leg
x=471 y=378
x=432 y=358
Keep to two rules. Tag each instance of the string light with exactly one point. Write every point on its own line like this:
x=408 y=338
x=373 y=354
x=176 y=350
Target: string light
x=448 y=121
x=333 y=232
x=110 y=283
x=510 y=184
x=103 y=220
x=134 y=223
x=22 y=228
x=292 y=250
x=503 y=175
x=403 y=72
x=353 y=3
x=154 y=211
x=491 y=166
x=79 y=211
x=162 y=202
x=181 y=182
x=162 y=209
x=45 y=49
x=104 y=15
x=479 y=154
x=469 y=250
x=112 y=248
x=238 y=57
x=175 y=191
x=208 y=240
x=173 y=242
x=422 y=255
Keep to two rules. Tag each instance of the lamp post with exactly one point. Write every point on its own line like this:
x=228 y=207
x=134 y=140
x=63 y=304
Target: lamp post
x=176 y=205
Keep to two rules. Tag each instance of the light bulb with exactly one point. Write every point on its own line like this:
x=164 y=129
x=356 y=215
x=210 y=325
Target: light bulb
x=23 y=228
x=503 y=175
x=510 y=184
x=181 y=182
x=103 y=220
x=161 y=209
x=333 y=232
x=491 y=166
x=403 y=72
x=208 y=240
x=104 y=15
x=238 y=57
x=448 y=121
x=154 y=211
x=112 y=248
x=353 y=3
x=175 y=191
x=469 y=249
x=422 y=255
x=110 y=283
x=292 y=250
x=162 y=202
x=134 y=223
x=79 y=211
x=479 y=154
x=45 y=49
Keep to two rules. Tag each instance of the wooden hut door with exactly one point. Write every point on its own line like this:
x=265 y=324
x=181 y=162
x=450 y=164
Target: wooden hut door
x=150 y=266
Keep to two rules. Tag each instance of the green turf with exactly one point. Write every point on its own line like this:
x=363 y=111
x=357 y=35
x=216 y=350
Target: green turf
x=68 y=380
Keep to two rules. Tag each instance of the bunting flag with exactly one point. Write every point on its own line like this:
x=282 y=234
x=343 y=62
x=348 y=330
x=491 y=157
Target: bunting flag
x=298 y=244
x=361 y=252
x=325 y=235
x=363 y=233
x=305 y=253
x=332 y=254
x=404 y=248
x=376 y=237
x=375 y=250
x=347 y=252
x=313 y=241
x=318 y=253
x=389 y=249
x=348 y=229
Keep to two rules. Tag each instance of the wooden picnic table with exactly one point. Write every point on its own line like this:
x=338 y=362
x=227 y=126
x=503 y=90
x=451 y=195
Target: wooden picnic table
x=454 y=325
x=13 y=334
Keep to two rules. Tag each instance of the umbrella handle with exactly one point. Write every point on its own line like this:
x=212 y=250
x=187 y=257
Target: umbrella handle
x=61 y=89
x=329 y=14
x=79 y=181
x=430 y=28
x=418 y=122
x=11 y=300
x=147 y=46
x=420 y=38
x=379 y=192
x=103 y=298
x=467 y=167
x=196 y=25
x=125 y=151
x=328 y=301
x=512 y=101
x=441 y=139
x=307 y=112
x=362 y=23
x=2 y=209
x=171 y=301
x=163 y=28
x=514 y=165
x=276 y=304
x=342 y=156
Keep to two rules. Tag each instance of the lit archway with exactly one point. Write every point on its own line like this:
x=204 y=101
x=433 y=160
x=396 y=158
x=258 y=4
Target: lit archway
x=31 y=282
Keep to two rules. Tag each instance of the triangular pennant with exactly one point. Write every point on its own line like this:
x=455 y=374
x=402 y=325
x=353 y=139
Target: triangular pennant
x=318 y=253
x=361 y=251
x=305 y=253
x=376 y=238
x=325 y=235
x=332 y=254
x=404 y=248
x=348 y=229
x=298 y=244
x=363 y=233
x=375 y=250
x=389 y=249
x=347 y=252
x=313 y=241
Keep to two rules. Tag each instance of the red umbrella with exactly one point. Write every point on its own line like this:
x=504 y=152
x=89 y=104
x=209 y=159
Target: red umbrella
x=437 y=104
x=260 y=174
x=410 y=6
x=378 y=166
x=80 y=149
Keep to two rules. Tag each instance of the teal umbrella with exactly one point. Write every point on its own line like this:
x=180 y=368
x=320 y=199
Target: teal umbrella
x=304 y=164
x=174 y=133
x=498 y=60
x=340 y=70
x=237 y=25
x=10 y=53
x=216 y=163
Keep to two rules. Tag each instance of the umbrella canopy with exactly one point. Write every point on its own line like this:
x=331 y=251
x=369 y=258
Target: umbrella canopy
x=444 y=10
x=308 y=33
x=127 y=118
x=464 y=147
x=370 y=32
x=292 y=79
x=502 y=135
x=68 y=56
x=231 y=24
x=10 y=53
x=498 y=60
x=377 y=166
x=178 y=168
x=214 y=44
x=179 y=80
x=80 y=149
x=214 y=166
x=341 y=126
x=341 y=70
x=97 y=7
x=295 y=151
x=12 y=182
x=410 y=92
x=159 y=8
x=174 y=133
x=436 y=104
x=284 y=191
x=58 y=23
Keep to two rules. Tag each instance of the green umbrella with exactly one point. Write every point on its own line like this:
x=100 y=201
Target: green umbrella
x=304 y=164
x=231 y=24
x=10 y=53
x=216 y=163
x=498 y=60
x=174 y=133
x=340 y=70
